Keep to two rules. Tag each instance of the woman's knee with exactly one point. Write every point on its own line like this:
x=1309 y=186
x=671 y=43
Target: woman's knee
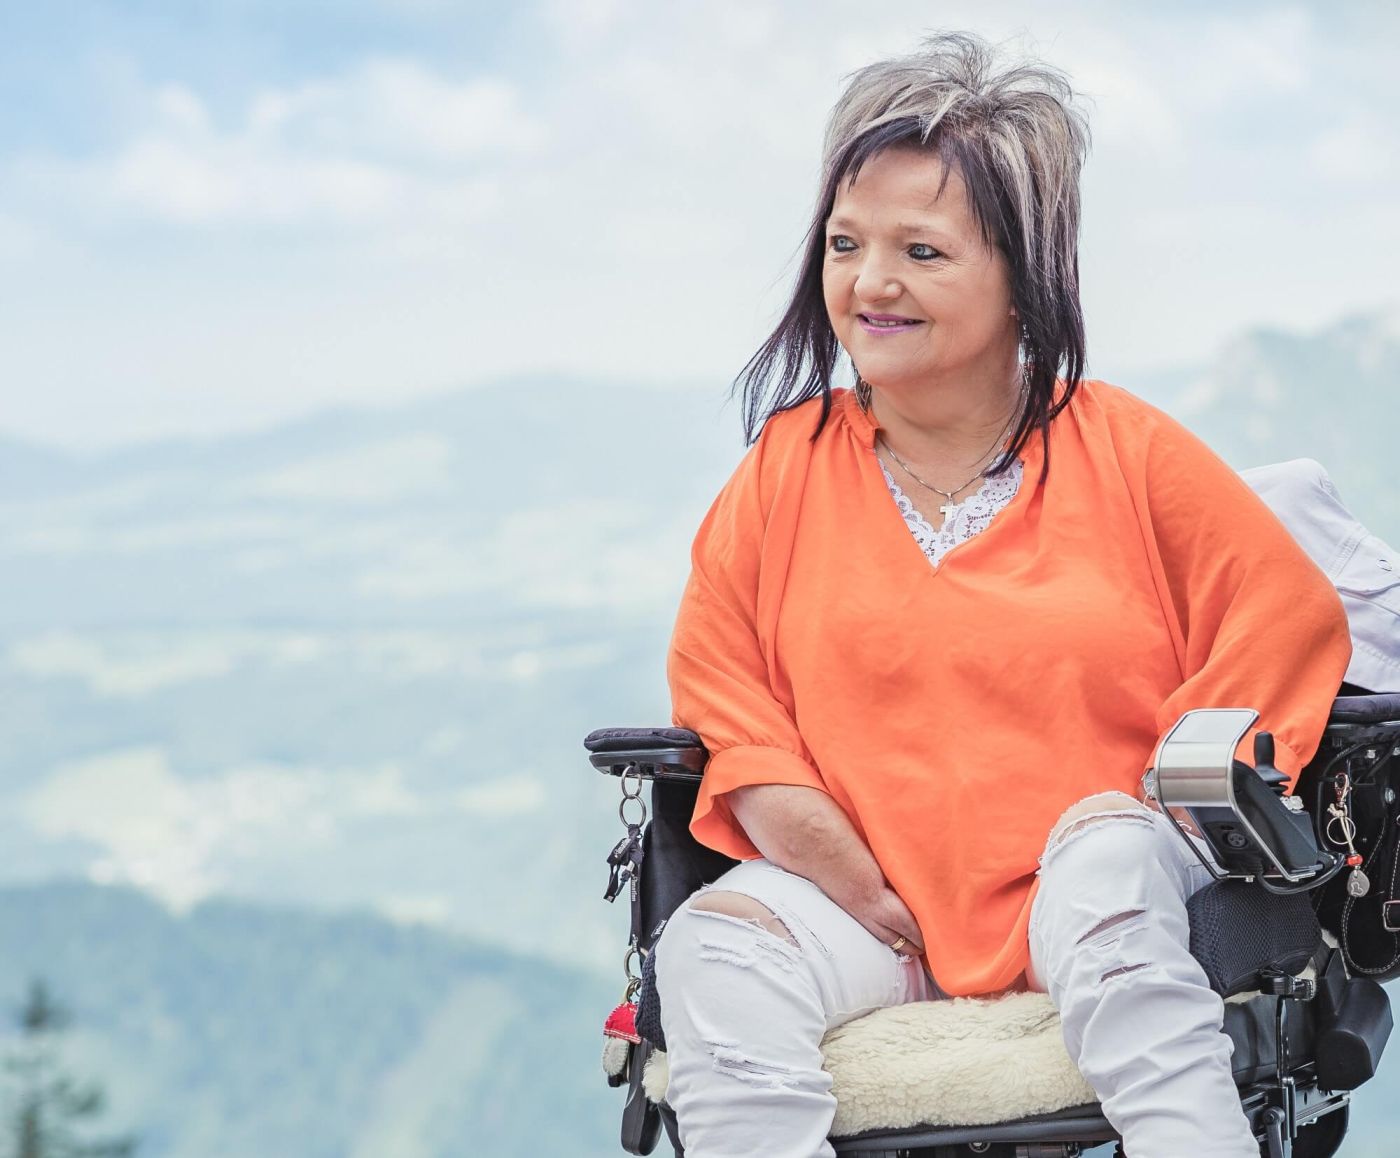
x=1100 y=808
x=716 y=932
x=743 y=908
x=1107 y=889
x=1098 y=866
x=1108 y=846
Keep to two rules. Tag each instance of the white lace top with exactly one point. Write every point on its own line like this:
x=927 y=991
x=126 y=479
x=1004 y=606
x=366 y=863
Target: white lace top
x=969 y=517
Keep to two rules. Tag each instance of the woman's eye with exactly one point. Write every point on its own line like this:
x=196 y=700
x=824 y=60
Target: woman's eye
x=834 y=243
x=922 y=252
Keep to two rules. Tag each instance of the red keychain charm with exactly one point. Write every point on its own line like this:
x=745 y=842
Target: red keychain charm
x=622 y=1023
x=620 y=1032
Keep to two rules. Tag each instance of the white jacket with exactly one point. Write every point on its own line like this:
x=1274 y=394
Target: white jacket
x=1364 y=570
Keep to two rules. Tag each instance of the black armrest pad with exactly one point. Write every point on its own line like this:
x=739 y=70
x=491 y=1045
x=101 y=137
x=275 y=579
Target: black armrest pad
x=1238 y=929
x=651 y=753
x=640 y=739
x=1377 y=709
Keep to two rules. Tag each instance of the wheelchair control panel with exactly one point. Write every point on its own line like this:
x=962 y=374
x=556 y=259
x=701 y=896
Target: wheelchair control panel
x=1252 y=828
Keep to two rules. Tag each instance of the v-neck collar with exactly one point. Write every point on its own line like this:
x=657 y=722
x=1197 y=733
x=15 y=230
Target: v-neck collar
x=863 y=427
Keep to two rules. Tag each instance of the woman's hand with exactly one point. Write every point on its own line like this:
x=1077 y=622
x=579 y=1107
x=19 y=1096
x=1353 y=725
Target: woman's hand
x=884 y=915
x=806 y=832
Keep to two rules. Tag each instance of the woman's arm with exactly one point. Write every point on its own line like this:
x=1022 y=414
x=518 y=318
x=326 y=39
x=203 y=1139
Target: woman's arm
x=1255 y=622
x=806 y=832
x=762 y=794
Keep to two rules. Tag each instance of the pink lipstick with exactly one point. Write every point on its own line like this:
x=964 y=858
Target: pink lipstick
x=886 y=323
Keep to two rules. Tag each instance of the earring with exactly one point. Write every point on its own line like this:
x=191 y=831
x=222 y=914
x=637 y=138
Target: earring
x=862 y=393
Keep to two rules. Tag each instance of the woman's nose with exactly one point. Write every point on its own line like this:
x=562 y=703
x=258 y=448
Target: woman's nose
x=875 y=282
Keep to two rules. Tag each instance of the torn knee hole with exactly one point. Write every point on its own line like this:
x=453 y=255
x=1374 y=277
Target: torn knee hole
x=1109 y=923
x=1122 y=969
x=1103 y=935
x=1096 y=810
x=729 y=1059
x=744 y=908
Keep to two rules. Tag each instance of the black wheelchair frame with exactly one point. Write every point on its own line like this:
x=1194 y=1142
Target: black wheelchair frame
x=1300 y=1045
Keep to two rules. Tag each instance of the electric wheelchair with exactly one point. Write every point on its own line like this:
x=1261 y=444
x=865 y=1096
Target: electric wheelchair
x=1297 y=931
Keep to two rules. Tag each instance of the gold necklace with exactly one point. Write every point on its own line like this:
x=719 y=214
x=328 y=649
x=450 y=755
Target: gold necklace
x=946 y=509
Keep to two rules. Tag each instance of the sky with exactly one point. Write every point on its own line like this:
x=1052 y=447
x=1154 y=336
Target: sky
x=218 y=216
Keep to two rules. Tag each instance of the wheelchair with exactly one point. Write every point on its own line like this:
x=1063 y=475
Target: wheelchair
x=1287 y=933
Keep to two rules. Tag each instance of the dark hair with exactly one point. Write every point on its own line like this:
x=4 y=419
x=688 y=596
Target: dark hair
x=1018 y=143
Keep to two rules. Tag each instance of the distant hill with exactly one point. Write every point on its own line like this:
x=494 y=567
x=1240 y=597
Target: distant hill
x=348 y=660
x=1333 y=395
x=241 y=1031
x=346 y=663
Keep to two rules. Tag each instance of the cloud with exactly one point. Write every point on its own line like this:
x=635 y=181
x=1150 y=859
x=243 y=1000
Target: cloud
x=417 y=909
x=1360 y=150
x=131 y=664
x=1251 y=56
x=398 y=468
x=84 y=534
x=183 y=840
x=622 y=198
x=398 y=108
x=511 y=796
x=390 y=140
x=18 y=238
x=62 y=654
x=543 y=557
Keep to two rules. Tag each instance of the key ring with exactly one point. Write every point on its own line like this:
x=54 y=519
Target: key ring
x=622 y=811
x=632 y=790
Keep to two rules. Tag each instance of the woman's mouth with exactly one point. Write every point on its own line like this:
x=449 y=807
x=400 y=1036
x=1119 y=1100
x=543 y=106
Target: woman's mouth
x=886 y=323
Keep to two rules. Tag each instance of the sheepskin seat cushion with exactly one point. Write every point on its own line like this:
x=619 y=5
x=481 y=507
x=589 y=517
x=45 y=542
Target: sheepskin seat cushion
x=967 y=1061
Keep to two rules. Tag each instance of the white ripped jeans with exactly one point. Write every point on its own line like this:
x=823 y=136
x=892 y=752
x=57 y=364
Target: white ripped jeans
x=744 y=1010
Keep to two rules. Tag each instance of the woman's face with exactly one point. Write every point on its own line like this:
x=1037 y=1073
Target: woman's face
x=914 y=294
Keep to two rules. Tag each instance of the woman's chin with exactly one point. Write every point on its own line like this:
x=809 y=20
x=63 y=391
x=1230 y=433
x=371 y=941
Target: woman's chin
x=895 y=379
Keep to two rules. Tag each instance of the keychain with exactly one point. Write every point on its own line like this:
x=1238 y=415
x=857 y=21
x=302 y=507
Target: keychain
x=1358 y=883
x=624 y=862
x=620 y=1034
x=620 y=1031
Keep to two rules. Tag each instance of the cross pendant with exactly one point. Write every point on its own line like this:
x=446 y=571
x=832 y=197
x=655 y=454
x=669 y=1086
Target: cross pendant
x=947 y=509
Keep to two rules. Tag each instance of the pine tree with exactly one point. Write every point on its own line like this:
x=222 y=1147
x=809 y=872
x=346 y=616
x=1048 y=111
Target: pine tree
x=49 y=1110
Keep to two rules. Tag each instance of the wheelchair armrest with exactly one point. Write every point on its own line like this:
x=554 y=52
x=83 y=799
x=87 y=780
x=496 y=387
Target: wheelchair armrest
x=1382 y=708
x=655 y=753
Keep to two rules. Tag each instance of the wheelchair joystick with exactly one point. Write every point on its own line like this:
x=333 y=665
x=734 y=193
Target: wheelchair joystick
x=1264 y=762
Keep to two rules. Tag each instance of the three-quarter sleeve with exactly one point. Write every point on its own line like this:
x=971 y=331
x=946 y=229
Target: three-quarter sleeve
x=1256 y=622
x=717 y=669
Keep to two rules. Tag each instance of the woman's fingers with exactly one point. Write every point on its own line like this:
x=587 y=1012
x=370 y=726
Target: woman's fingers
x=888 y=935
x=909 y=930
x=888 y=918
x=914 y=945
x=902 y=921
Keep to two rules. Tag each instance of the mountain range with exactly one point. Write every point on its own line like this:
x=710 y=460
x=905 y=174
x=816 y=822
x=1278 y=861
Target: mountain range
x=239 y=1031
x=314 y=694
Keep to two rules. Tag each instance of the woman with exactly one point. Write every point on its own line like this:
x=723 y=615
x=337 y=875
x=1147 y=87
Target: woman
x=934 y=628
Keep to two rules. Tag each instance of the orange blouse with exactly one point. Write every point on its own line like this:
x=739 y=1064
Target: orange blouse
x=954 y=713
